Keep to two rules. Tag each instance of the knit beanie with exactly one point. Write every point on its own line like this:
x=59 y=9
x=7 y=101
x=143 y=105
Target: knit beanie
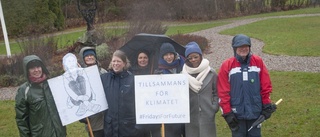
x=166 y=48
x=89 y=52
x=192 y=47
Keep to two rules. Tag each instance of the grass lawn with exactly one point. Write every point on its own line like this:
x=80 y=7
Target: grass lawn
x=298 y=115
x=63 y=39
x=297 y=36
x=184 y=29
x=310 y=10
x=8 y=127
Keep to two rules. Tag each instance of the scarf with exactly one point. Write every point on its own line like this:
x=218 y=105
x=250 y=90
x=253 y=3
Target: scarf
x=202 y=70
x=38 y=80
x=166 y=67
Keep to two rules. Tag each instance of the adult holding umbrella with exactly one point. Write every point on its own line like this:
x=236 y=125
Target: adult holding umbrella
x=244 y=88
x=141 y=66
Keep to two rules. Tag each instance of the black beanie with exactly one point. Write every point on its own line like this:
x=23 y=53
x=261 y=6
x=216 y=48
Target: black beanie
x=167 y=48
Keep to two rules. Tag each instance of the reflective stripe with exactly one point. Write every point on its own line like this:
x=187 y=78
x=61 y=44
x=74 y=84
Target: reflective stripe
x=254 y=69
x=26 y=92
x=238 y=70
x=234 y=71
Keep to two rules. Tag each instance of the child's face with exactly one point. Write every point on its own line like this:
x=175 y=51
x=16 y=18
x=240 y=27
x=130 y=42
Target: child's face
x=168 y=57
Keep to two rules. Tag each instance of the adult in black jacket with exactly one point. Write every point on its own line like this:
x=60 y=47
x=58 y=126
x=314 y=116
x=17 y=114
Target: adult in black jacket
x=142 y=65
x=118 y=85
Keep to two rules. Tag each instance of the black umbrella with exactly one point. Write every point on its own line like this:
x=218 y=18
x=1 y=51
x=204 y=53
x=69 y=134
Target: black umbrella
x=261 y=118
x=151 y=43
x=257 y=122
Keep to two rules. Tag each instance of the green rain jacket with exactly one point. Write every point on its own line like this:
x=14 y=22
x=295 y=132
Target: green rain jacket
x=36 y=112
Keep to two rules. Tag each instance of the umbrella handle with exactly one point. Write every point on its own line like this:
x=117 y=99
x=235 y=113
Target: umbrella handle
x=152 y=61
x=279 y=101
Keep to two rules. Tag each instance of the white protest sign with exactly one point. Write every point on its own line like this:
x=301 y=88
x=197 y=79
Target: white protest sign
x=162 y=99
x=78 y=94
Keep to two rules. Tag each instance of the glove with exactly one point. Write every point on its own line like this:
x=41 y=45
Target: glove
x=157 y=71
x=232 y=121
x=83 y=121
x=268 y=109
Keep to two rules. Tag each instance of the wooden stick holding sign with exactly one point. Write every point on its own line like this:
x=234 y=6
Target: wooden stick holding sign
x=89 y=127
x=163 y=134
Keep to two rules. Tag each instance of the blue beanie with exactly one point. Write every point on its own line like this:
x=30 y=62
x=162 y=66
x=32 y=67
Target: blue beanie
x=167 y=48
x=89 y=52
x=192 y=47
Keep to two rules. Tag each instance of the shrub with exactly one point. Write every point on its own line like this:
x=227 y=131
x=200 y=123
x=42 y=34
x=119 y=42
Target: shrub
x=12 y=73
x=9 y=80
x=185 y=39
x=153 y=27
x=11 y=66
x=44 y=47
x=103 y=55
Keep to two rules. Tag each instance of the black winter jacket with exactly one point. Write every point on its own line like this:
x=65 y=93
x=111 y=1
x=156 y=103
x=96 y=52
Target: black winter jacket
x=120 y=118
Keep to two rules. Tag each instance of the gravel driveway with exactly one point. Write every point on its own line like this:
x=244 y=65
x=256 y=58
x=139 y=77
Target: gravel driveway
x=220 y=49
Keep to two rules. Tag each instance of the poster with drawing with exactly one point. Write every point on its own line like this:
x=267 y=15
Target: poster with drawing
x=78 y=92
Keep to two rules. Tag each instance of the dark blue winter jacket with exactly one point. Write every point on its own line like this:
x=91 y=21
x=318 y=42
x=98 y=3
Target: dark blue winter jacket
x=120 y=118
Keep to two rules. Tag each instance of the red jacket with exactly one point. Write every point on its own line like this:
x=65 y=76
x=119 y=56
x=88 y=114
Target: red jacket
x=244 y=87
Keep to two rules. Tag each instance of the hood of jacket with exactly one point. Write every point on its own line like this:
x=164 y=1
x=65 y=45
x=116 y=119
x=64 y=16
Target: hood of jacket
x=81 y=57
x=240 y=40
x=30 y=58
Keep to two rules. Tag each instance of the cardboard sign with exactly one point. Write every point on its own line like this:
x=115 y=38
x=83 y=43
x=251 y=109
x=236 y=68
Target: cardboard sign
x=78 y=94
x=162 y=99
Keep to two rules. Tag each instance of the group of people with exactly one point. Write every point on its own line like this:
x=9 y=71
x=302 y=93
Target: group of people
x=241 y=89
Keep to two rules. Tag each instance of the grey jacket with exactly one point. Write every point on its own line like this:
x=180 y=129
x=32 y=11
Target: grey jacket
x=36 y=112
x=96 y=120
x=203 y=107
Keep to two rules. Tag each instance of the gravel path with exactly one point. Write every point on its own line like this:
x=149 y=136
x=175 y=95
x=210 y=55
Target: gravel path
x=220 y=49
x=8 y=93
